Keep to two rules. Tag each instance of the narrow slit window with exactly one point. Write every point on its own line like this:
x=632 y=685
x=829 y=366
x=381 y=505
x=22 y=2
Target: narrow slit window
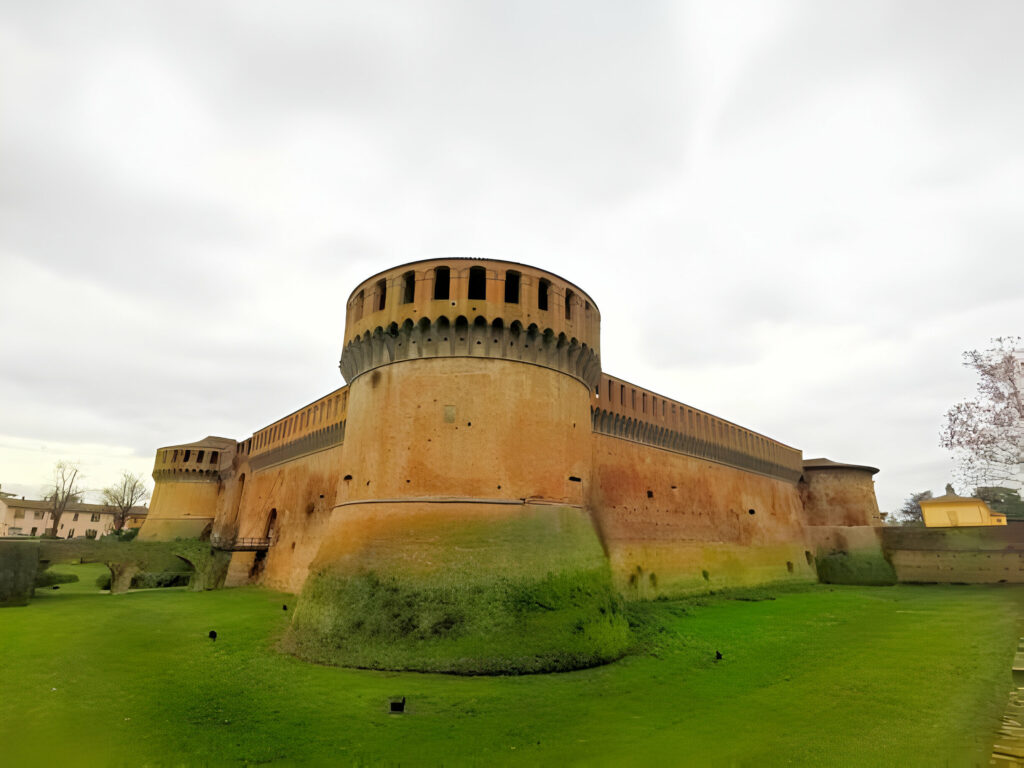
x=442 y=277
x=542 y=294
x=512 y=287
x=569 y=295
x=408 y=287
x=382 y=294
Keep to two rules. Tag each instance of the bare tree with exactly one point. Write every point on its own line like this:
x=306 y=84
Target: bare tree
x=910 y=512
x=986 y=433
x=123 y=495
x=63 y=491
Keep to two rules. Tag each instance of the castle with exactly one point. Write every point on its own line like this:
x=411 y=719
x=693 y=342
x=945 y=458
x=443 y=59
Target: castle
x=478 y=442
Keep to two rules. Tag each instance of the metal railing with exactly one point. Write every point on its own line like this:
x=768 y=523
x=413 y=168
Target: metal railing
x=241 y=544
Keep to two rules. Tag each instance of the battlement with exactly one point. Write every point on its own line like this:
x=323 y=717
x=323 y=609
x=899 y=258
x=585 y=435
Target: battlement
x=316 y=426
x=198 y=461
x=471 y=308
x=621 y=409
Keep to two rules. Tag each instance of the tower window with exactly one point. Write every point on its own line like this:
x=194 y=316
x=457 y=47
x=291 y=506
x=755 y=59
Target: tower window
x=408 y=287
x=568 y=304
x=478 y=283
x=442 y=277
x=382 y=294
x=512 y=287
x=542 y=294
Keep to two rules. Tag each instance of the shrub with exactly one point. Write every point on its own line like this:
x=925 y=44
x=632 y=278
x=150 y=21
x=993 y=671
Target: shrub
x=161 y=579
x=49 y=578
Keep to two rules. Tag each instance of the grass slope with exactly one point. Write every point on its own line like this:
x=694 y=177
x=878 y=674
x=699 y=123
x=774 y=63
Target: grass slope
x=829 y=676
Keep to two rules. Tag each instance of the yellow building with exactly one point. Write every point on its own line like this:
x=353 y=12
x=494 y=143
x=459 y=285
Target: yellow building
x=952 y=511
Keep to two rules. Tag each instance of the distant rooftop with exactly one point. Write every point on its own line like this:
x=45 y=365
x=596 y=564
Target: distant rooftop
x=824 y=463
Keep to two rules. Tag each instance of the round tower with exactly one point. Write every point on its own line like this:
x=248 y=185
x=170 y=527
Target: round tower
x=460 y=539
x=187 y=487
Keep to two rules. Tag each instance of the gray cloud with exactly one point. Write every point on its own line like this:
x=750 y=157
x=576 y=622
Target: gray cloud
x=793 y=214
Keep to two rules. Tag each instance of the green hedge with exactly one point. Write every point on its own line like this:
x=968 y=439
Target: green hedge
x=19 y=562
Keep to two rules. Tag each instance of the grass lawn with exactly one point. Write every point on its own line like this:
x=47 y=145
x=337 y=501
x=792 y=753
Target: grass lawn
x=828 y=676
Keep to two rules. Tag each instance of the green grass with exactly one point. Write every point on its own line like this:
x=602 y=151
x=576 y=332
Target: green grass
x=494 y=626
x=529 y=591
x=828 y=676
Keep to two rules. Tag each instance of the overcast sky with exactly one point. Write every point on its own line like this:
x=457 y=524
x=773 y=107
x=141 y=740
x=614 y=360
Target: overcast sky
x=795 y=215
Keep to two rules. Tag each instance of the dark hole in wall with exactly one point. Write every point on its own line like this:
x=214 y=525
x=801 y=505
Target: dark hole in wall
x=382 y=294
x=511 y=287
x=442 y=277
x=477 y=283
x=347 y=477
x=751 y=512
x=650 y=494
x=542 y=294
x=574 y=479
x=408 y=287
x=705 y=575
x=789 y=566
x=809 y=557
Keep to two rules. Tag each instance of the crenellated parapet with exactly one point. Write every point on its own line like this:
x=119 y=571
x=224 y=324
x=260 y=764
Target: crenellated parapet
x=472 y=308
x=198 y=462
x=481 y=339
x=624 y=410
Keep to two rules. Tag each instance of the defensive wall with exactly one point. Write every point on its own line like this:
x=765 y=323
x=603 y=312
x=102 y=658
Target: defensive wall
x=971 y=555
x=478 y=449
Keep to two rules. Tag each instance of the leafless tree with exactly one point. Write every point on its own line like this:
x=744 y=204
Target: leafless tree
x=123 y=495
x=986 y=433
x=63 y=491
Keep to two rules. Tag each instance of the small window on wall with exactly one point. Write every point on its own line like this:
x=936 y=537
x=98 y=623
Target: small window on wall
x=512 y=287
x=442 y=278
x=90 y=533
x=199 y=456
x=478 y=283
x=382 y=294
x=408 y=287
x=542 y=294
x=214 y=455
x=95 y=517
x=569 y=295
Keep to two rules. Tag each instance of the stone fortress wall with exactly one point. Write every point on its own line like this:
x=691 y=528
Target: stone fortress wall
x=475 y=399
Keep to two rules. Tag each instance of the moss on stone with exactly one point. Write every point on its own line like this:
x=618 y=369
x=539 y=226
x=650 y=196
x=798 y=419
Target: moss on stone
x=866 y=568
x=527 y=592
